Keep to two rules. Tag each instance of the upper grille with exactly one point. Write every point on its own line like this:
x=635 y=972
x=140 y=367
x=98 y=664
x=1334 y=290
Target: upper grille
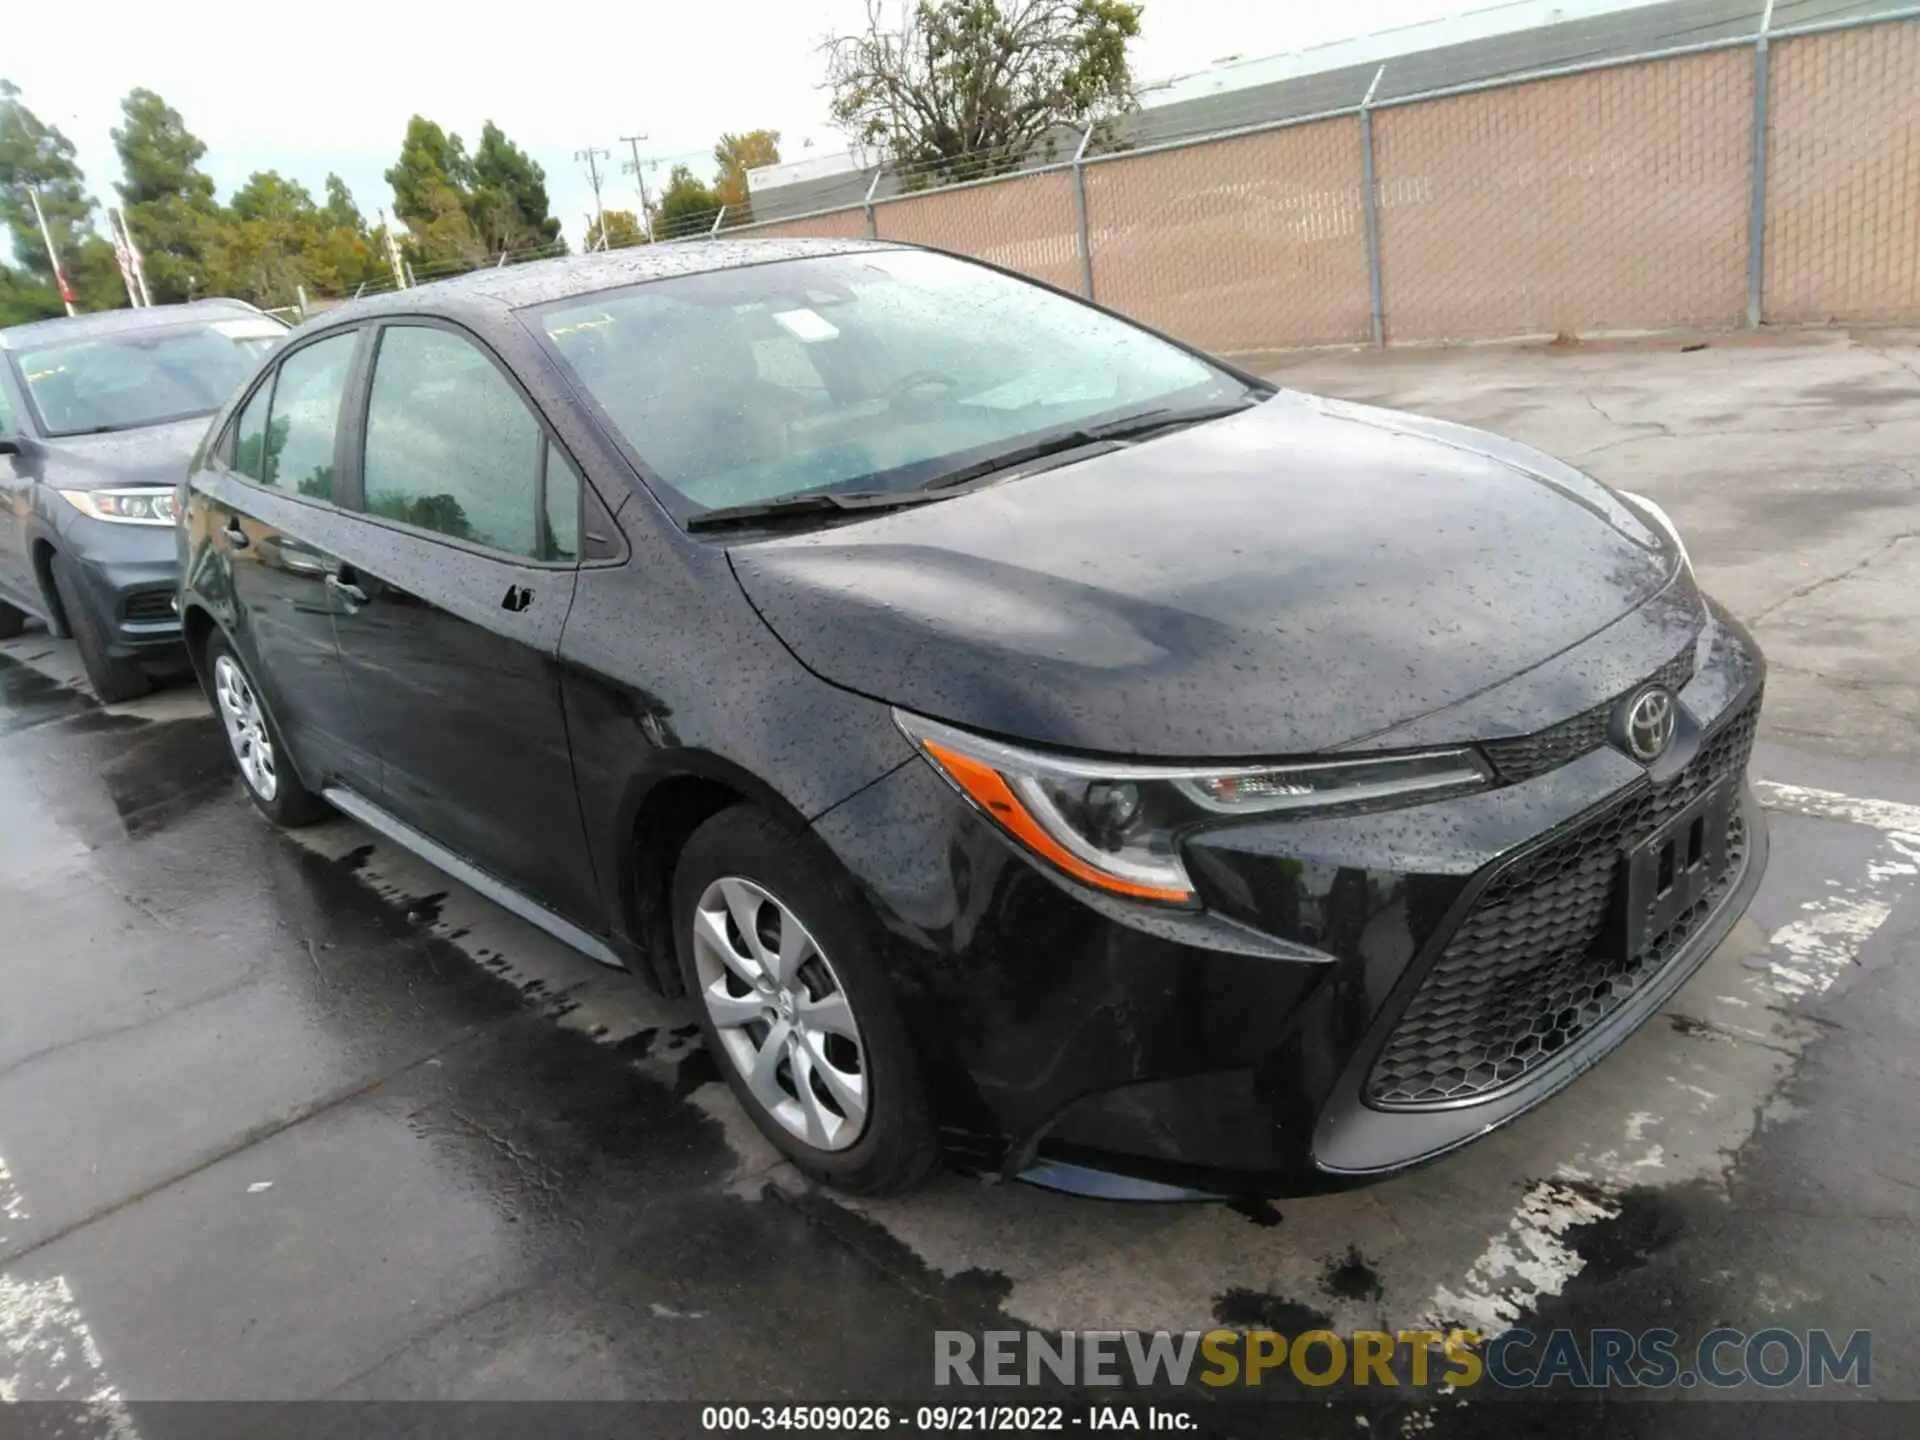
x=150 y=605
x=1519 y=980
x=1526 y=756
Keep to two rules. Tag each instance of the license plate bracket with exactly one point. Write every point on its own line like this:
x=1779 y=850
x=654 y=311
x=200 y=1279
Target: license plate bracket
x=1670 y=871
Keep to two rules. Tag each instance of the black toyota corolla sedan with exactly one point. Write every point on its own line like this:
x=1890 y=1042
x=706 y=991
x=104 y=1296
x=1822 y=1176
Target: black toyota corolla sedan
x=1025 y=738
x=98 y=417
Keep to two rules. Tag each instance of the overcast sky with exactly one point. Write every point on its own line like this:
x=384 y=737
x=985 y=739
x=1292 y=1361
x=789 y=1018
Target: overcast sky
x=307 y=89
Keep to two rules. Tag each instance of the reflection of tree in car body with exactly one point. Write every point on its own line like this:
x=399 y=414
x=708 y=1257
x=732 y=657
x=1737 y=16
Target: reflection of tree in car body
x=441 y=514
x=259 y=455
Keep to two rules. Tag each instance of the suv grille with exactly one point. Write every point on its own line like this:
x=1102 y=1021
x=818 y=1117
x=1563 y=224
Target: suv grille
x=1526 y=756
x=150 y=605
x=1519 y=981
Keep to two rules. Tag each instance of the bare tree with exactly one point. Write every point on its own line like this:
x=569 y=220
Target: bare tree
x=961 y=89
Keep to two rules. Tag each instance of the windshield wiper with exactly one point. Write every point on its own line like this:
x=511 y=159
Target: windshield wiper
x=1131 y=427
x=808 y=502
x=829 y=502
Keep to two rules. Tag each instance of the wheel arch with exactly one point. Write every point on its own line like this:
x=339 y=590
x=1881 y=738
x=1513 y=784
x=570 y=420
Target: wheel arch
x=197 y=626
x=662 y=807
x=41 y=552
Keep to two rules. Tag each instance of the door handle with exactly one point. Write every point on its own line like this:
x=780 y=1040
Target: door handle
x=345 y=589
x=236 y=537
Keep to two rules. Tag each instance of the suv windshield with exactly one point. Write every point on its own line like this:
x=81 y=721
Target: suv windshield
x=884 y=370
x=143 y=377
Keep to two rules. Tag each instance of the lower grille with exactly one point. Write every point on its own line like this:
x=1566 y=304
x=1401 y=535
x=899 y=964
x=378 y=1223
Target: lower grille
x=1520 y=980
x=149 y=605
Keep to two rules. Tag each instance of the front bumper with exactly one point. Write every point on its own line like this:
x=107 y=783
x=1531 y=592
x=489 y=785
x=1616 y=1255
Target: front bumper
x=1243 y=1048
x=129 y=576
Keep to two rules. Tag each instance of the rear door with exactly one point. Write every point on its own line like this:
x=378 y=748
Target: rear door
x=456 y=586
x=269 y=532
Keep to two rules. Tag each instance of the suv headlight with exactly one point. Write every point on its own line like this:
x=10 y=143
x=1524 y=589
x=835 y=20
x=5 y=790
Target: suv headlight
x=136 y=505
x=1116 y=826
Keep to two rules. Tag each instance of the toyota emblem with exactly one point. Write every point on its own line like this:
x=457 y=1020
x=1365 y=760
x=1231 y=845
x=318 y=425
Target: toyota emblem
x=1646 y=727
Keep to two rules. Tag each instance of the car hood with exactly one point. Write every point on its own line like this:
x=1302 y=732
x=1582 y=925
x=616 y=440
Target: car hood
x=150 y=455
x=1298 y=577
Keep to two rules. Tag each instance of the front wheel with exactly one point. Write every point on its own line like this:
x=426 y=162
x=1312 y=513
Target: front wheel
x=259 y=753
x=795 y=1006
x=12 y=621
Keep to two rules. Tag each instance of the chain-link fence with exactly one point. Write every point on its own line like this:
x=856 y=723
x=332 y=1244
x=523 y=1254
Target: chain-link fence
x=1772 y=175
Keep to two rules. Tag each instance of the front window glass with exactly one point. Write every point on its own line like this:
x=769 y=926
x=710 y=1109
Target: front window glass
x=878 y=370
x=143 y=377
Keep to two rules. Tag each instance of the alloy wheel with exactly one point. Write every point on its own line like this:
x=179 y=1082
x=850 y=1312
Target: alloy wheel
x=781 y=1013
x=246 y=726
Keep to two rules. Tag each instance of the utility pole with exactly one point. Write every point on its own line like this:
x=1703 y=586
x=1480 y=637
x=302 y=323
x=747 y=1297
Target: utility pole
x=639 y=173
x=133 y=253
x=53 y=256
x=393 y=253
x=592 y=157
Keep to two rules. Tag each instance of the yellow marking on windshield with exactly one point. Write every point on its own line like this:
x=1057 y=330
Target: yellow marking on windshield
x=593 y=324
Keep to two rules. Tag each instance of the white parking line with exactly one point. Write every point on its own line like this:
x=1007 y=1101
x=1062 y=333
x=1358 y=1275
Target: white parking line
x=1831 y=805
x=1530 y=1259
x=46 y=1350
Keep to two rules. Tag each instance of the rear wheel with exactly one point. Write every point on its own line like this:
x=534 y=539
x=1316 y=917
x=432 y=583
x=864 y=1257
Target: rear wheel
x=113 y=680
x=795 y=1006
x=12 y=621
x=258 y=751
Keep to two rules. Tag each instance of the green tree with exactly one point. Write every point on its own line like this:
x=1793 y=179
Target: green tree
x=509 y=204
x=685 y=207
x=433 y=184
x=259 y=250
x=168 y=200
x=340 y=212
x=970 y=88
x=735 y=155
x=622 y=228
x=35 y=158
x=432 y=167
x=267 y=196
x=25 y=297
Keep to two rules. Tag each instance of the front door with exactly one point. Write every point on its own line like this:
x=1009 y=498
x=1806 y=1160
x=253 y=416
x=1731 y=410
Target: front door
x=268 y=527
x=454 y=591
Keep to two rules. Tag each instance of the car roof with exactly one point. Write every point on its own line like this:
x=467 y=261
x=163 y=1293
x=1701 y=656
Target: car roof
x=63 y=328
x=488 y=294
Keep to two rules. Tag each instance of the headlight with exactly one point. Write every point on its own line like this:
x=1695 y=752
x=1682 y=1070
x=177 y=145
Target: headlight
x=1665 y=522
x=1115 y=826
x=142 y=506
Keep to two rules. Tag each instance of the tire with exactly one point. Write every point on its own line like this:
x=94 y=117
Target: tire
x=113 y=681
x=259 y=754
x=12 y=621
x=745 y=861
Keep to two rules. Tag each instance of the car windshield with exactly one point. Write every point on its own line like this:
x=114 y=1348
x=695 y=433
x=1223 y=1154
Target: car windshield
x=143 y=377
x=882 y=370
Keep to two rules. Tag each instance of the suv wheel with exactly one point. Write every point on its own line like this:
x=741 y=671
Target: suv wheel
x=258 y=751
x=12 y=621
x=113 y=680
x=795 y=1007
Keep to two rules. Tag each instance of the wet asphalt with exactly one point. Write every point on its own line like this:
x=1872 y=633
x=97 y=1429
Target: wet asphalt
x=288 y=1118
